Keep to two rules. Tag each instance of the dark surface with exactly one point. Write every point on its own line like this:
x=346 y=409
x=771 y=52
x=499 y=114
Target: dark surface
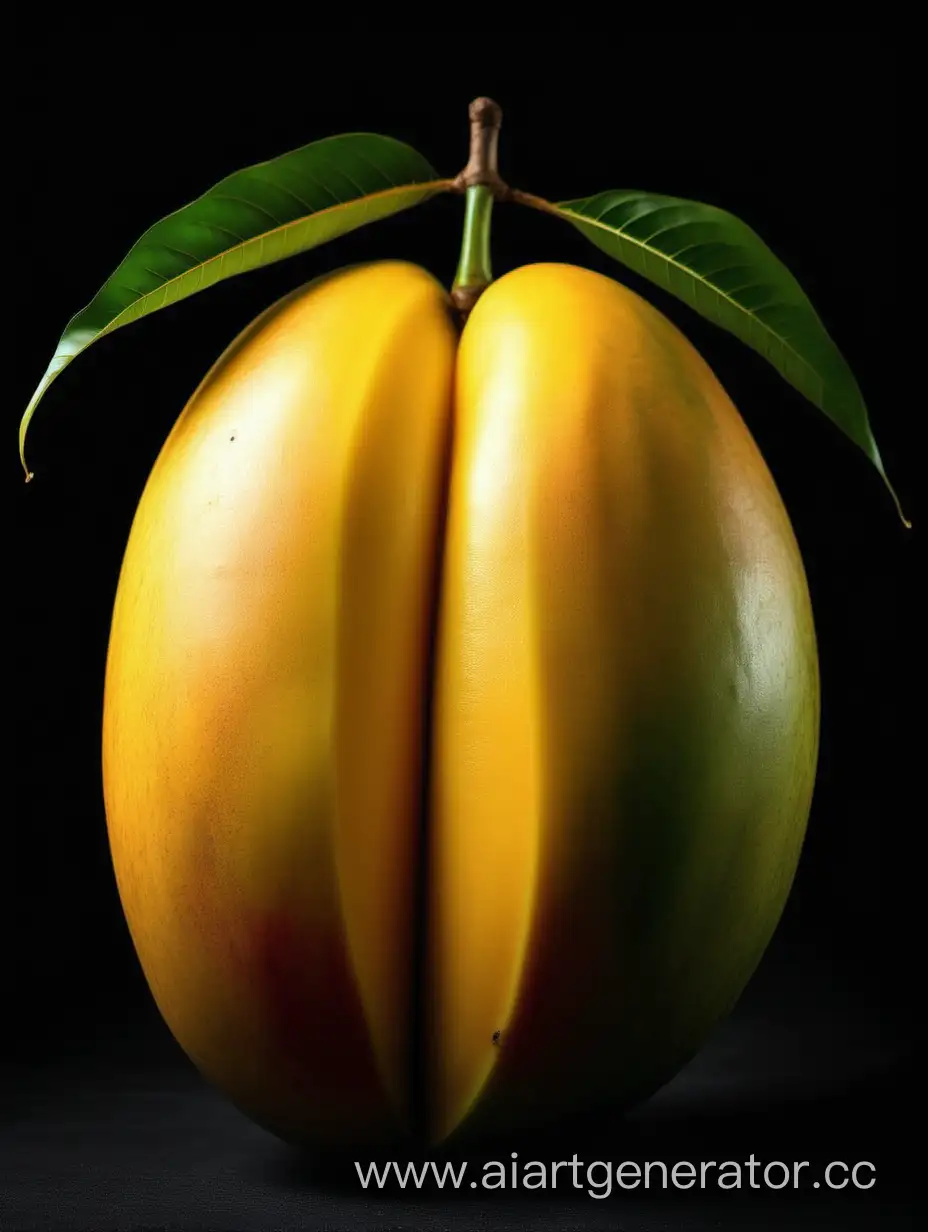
x=127 y=1136
x=103 y=1124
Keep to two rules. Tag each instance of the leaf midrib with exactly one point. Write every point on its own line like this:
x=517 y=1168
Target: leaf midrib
x=425 y=186
x=630 y=239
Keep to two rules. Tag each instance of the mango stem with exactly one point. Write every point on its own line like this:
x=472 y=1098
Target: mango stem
x=481 y=182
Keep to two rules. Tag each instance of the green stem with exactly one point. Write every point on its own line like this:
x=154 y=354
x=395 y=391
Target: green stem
x=481 y=182
x=474 y=270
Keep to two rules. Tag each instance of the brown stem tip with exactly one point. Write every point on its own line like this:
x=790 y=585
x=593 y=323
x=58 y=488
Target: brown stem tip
x=485 y=112
x=464 y=299
x=486 y=117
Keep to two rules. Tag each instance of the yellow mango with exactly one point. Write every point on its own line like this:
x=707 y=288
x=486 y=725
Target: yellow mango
x=461 y=708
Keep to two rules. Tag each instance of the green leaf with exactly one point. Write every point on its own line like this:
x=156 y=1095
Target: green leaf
x=715 y=263
x=250 y=219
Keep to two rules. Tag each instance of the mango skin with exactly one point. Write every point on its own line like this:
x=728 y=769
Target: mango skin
x=626 y=709
x=461 y=709
x=262 y=737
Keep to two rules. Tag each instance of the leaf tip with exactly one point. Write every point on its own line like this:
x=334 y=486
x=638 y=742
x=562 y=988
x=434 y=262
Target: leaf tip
x=896 y=501
x=876 y=457
x=22 y=446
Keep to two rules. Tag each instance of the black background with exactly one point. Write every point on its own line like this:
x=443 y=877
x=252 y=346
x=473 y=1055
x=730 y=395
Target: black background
x=795 y=131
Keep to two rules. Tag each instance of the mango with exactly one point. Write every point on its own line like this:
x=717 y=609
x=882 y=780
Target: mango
x=461 y=709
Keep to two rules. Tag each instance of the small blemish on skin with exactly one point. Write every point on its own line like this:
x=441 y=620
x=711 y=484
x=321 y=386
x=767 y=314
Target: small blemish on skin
x=232 y=437
x=496 y=1037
